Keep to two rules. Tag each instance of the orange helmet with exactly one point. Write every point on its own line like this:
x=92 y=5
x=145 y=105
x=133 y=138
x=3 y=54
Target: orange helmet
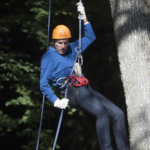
x=61 y=32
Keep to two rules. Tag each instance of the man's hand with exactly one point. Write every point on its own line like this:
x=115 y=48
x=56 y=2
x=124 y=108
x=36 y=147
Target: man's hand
x=81 y=10
x=62 y=104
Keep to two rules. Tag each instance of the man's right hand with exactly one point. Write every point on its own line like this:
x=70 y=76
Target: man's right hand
x=81 y=10
x=62 y=104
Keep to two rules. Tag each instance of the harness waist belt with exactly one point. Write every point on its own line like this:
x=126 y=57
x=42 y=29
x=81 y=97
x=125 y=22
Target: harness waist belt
x=78 y=81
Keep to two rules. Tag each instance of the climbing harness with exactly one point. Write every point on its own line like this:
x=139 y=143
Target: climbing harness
x=79 y=81
x=75 y=76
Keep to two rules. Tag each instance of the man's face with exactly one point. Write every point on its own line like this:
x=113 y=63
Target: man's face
x=61 y=45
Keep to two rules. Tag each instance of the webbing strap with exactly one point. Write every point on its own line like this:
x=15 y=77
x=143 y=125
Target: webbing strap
x=44 y=95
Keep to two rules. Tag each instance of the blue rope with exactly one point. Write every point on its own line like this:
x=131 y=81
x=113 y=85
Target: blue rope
x=60 y=119
x=48 y=24
x=40 y=123
x=44 y=95
x=58 y=128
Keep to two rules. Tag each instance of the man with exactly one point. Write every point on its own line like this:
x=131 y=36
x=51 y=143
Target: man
x=56 y=65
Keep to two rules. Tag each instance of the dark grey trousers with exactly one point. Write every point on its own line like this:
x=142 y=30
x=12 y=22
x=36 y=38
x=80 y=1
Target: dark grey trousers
x=103 y=109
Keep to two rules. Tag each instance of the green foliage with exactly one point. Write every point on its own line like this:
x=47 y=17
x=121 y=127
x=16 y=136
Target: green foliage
x=21 y=108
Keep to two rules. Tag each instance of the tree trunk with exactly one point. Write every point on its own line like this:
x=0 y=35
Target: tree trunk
x=132 y=32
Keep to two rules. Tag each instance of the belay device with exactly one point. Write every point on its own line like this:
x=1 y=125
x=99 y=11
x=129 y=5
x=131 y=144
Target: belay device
x=77 y=68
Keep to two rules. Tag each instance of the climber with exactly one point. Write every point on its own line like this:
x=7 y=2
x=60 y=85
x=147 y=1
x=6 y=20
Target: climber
x=57 y=64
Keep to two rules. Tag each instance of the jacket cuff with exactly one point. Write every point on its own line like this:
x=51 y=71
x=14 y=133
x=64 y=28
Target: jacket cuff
x=86 y=26
x=53 y=98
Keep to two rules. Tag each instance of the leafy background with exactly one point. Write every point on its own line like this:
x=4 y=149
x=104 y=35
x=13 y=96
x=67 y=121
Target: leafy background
x=23 y=37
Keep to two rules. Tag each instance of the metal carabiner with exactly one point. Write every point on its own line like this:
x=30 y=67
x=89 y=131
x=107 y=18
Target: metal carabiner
x=80 y=58
x=64 y=82
x=78 y=51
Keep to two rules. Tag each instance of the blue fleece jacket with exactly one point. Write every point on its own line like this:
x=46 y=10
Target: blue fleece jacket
x=55 y=66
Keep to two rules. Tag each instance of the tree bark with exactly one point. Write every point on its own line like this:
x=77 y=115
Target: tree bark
x=131 y=20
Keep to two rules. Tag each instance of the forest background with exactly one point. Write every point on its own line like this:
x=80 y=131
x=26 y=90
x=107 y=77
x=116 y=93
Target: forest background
x=23 y=40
